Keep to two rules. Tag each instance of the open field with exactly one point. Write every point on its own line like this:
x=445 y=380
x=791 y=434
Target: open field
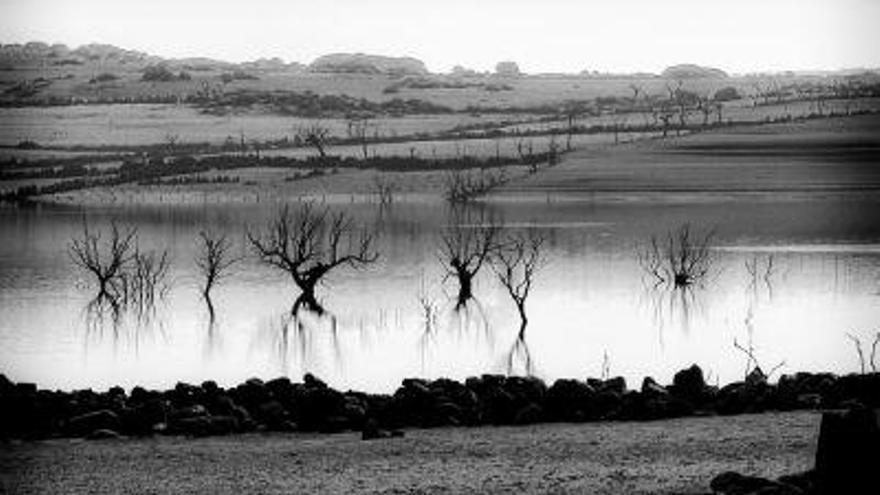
x=95 y=126
x=807 y=158
x=68 y=81
x=670 y=456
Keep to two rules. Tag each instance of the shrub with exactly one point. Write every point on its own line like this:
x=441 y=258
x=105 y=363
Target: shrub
x=161 y=73
x=728 y=93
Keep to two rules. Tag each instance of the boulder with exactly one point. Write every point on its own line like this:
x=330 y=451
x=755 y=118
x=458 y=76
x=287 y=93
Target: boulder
x=756 y=377
x=650 y=388
x=570 y=400
x=273 y=415
x=865 y=388
x=372 y=431
x=616 y=385
x=210 y=388
x=805 y=482
x=193 y=411
x=688 y=384
x=732 y=483
x=310 y=381
x=87 y=423
x=103 y=434
x=202 y=426
x=847 y=451
x=529 y=414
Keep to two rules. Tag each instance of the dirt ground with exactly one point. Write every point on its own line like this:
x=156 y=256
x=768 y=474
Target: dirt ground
x=671 y=456
x=824 y=156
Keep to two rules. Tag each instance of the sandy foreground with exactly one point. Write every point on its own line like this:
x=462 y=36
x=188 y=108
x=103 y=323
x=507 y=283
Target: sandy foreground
x=670 y=456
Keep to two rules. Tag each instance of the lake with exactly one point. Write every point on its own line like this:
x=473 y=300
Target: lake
x=789 y=277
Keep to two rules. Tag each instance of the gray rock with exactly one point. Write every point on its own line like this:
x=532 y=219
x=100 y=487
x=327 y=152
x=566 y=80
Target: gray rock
x=97 y=420
x=103 y=434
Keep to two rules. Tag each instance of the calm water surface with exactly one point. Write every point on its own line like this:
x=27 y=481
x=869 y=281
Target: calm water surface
x=817 y=277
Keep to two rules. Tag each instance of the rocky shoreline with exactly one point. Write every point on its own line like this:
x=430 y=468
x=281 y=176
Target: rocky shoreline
x=27 y=412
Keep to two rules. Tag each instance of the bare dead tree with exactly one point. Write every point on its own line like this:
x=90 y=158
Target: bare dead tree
x=358 y=128
x=681 y=259
x=214 y=262
x=571 y=111
x=874 y=351
x=618 y=122
x=552 y=153
x=384 y=189
x=664 y=114
x=515 y=262
x=606 y=366
x=468 y=244
x=752 y=364
x=858 y=345
x=145 y=283
x=526 y=151
x=316 y=136
x=463 y=187
x=105 y=261
x=171 y=140
x=308 y=243
x=704 y=105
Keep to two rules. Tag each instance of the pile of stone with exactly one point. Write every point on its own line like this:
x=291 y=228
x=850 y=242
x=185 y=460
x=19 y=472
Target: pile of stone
x=281 y=405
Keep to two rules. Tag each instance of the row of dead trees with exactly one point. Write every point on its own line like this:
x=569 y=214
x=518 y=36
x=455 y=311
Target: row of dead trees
x=308 y=242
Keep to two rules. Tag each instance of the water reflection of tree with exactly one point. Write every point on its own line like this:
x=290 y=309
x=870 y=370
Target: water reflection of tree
x=515 y=262
x=759 y=282
x=214 y=262
x=443 y=319
x=131 y=283
x=293 y=336
x=677 y=269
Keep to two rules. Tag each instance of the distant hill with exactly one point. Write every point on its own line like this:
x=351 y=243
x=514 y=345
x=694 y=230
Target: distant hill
x=693 y=71
x=360 y=63
x=39 y=54
x=36 y=52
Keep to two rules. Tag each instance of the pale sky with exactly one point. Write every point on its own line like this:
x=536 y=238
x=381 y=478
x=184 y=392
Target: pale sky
x=540 y=35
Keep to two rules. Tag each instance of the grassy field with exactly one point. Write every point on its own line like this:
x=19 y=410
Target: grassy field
x=670 y=456
x=811 y=158
x=75 y=81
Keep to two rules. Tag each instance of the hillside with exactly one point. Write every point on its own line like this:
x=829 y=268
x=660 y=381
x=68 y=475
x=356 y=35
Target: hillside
x=693 y=71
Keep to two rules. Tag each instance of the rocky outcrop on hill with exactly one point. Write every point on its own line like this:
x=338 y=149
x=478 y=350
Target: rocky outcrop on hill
x=693 y=71
x=360 y=63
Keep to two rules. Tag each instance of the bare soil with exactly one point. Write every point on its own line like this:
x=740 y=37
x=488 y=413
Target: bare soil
x=671 y=456
x=825 y=156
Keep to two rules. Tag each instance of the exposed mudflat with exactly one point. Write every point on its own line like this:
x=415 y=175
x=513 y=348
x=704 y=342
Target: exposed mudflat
x=809 y=158
x=671 y=456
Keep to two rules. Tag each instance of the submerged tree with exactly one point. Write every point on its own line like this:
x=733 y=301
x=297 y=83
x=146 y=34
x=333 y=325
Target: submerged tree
x=358 y=129
x=129 y=279
x=467 y=246
x=107 y=261
x=146 y=281
x=308 y=243
x=214 y=262
x=681 y=259
x=515 y=262
x=316 y=136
